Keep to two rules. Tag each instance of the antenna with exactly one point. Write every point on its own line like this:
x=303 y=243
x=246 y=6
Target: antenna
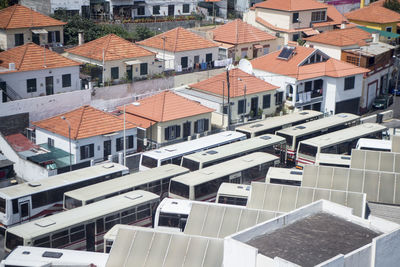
x=245 y=66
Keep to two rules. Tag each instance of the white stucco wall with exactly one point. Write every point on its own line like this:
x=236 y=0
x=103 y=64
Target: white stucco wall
x=62 y=142
x=238 y=254
x=330 y=50
x=69 y=5
x=18 y=80
x=277 y=18
x=386 y=249
x=373 y=78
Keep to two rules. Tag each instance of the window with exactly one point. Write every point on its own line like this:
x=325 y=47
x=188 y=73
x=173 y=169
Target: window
x=349 y=83
x=50 y=142
x=66 y=80
x=172 y=132
x=308 y=86
x=120 y=143
x=244 y=52
x=31 y=85
x=143 y=68
x=266 y=49
x=19 y=39
x=140 y=11
x=114 y=73
x=353 y=60
x=278 y=98
x=266 y=101
x=87 y=151
x=389 y=29
x=208 y=57
x=156 y=10
x=295 y=17
x=201 y=125
x=184 y=62
x=185 y=8
x=186 y=129
x=317 y=16
x=295 y=37
x=53 y=37
x=242 y=106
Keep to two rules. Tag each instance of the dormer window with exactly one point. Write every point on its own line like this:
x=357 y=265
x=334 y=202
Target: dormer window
x=318 y=16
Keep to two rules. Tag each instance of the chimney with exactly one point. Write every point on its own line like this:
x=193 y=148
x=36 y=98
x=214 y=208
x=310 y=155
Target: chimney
x=81 y=39
x=375 y=37
x=343 y=25
x=11 y=66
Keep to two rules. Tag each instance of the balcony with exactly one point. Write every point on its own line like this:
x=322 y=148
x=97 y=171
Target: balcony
x=310 y=97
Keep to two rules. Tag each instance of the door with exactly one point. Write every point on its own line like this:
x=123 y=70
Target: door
x=254 y=106
x=90 y=237
x=36 y=38
x=49 y=85
x=184 y=62
x=129 y=72
x=24 y=205
x=107 y=149
x=372 y=93
x=171 y=10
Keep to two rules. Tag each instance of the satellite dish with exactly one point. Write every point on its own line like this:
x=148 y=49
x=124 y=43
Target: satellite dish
x=245 y=66
x=230 y=67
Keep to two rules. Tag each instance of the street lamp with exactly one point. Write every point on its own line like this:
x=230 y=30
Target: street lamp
x=69 y=140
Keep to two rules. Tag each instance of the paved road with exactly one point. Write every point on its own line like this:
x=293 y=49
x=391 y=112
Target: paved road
x=395 y=107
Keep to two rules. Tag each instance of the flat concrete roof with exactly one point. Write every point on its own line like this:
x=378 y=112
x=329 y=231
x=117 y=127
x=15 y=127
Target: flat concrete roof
x=313 y=240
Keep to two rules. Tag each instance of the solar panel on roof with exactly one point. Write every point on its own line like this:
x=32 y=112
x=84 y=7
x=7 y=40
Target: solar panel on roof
x=286 y=53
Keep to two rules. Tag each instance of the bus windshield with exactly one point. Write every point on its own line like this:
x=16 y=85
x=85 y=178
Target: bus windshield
x=308 y=150
x=2 y=205
x=13 y=241
x=71 y=203
x=179 y=189
x=149 y=162
x=289 y=139
x=173 y=220
x=190 y=164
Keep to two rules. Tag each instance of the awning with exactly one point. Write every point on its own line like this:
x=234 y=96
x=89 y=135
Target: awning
x=257 y=46
x=133 y=62
x=381 y=33
x=310 y=32
x=39 y=31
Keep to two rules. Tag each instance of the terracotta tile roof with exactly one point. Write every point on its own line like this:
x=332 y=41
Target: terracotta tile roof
x=166 y=106
x=342 y=37
x=30 y=56
x=178 y=39
x=85 y=121
x=139 y=121
x=114 y=47
x=331 y=68
x=291 y=5
x=20 y=143
x=218 y=85
x=334 y=17
x=374 y=14
x=239 y=32
x=17 y=16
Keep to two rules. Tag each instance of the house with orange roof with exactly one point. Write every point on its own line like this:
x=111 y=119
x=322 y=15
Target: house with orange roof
x=292 y=19
x=377 y=17
x=20 y=25
x=94 y=134
x=250 y=97
x=311 y=79
x=182 y=49
x=245 y=40
x=117 y=58
x=169 y=117
x=30 y=70
x=360 y=48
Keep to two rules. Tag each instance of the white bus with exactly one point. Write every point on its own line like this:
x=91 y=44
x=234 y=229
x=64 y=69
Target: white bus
x=174 y=153
x=339 y=142
x=284 y=176
x=26 y=201
x=83 y=228
x=233 y=194
x=295 y=134
x=273 y=124
x=333 y=160
x=203 y=184
x=153 y=180
x=374 y=144
x=172 y=214
x=24 y=256
x=266 y=143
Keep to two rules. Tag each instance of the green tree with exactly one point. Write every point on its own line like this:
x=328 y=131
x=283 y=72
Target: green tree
x=393 y=5
x=142 y=33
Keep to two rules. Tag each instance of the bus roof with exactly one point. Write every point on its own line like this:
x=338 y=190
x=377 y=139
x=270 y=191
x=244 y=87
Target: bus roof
x=284 y=173
x=341 y=135
x=276 y=121
x=224 y=168
x=85 y=213
x=333 y=159
x=179 y=206
x=61 y=179
x=234 y=148
x=194 y=145
x=316 y=125
x=374 y=143
x=130 y=180
x=240 y=190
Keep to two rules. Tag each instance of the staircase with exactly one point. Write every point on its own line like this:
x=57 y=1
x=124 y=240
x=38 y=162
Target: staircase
x=9 y=92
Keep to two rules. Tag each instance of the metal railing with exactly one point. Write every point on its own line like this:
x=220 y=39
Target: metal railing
x=9 y=92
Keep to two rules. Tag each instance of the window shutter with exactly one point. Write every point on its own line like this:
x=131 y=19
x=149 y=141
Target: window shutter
x=49 y=37
x=178 y=131
x=91 y=150
x=166 y=133
x=82 y=152
x=206 y=121
x=57 y=36
x=196 y=127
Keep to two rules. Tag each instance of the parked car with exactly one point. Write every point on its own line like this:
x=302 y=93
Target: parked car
x=382 y=102
x=395 y=92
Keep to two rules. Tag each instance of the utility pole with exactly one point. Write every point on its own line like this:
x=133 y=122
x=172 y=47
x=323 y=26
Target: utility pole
x=229 y=99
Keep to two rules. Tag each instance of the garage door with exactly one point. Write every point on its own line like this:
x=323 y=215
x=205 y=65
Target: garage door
x=371 y=93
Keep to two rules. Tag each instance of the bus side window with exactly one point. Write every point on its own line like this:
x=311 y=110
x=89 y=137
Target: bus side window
x=99 y=226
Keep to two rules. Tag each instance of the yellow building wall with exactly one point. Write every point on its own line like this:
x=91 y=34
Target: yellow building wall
x=377 y=26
